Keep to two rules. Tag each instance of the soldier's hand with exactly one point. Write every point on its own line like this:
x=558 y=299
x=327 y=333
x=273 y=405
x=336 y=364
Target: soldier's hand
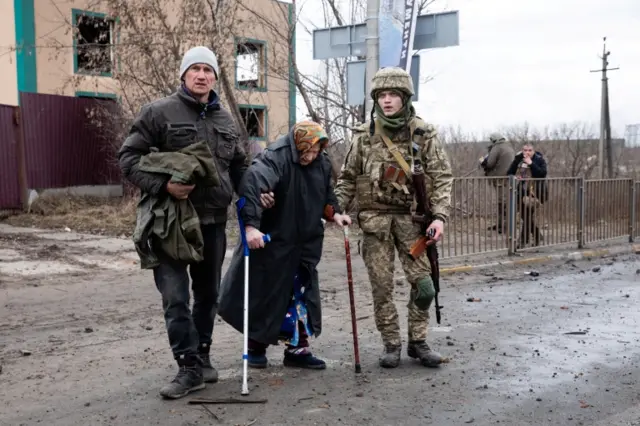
x=178 y=190
x=435 y=230
x=342 y=219
x=267 y=200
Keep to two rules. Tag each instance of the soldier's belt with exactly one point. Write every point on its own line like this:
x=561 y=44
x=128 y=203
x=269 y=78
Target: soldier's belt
x=384 y=208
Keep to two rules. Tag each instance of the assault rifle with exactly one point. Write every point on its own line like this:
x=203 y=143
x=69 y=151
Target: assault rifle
x=426 y=242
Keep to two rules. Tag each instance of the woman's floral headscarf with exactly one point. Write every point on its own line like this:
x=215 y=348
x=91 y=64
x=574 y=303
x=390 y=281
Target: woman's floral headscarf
x=308 y=133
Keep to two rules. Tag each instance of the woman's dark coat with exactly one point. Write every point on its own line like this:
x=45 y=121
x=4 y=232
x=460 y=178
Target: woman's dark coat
x=538 y=171
x=297 y=233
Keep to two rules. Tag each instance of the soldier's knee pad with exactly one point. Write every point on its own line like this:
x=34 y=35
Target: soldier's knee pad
x=423 y=293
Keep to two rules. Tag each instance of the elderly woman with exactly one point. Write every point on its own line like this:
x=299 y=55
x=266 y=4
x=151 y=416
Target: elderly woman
x=284 y=294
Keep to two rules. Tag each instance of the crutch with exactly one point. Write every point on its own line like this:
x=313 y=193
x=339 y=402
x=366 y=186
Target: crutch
x=354 y=325
x=245 y=329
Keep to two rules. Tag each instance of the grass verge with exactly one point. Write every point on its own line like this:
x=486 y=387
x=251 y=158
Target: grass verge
x=85 y=214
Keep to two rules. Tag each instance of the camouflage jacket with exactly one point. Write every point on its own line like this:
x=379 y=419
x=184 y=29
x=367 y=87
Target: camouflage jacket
x=369 y=156
x=499 y=159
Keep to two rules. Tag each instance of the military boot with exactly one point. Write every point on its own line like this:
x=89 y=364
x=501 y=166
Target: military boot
x=390 y=358
x=420 y=350
x=188 y=379
x=209 y=373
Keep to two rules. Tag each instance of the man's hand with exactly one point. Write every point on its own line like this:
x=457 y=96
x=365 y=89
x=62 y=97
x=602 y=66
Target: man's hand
x=179 y=191
x=342 y=219
x=267 y=200
x=527 y=160
x=254 y=237
x=435 y=230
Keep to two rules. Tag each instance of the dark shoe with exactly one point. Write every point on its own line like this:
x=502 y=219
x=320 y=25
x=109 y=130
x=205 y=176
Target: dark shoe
x=422 y=351
x=209 y=373
x=522 y=243
x=257 y=359
x=303 y=359
x=498 y=228
x=188 y=379
x=390 y=358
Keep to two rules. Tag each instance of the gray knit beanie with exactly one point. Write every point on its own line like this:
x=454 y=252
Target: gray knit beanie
x=199 y=55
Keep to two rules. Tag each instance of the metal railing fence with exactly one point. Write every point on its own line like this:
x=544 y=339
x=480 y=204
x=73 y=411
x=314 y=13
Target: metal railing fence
x=510 y=214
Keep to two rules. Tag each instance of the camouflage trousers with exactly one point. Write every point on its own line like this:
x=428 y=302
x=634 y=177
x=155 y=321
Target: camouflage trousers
x=382 y=236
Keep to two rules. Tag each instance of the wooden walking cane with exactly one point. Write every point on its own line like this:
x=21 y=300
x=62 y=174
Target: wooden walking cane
x=354 y=325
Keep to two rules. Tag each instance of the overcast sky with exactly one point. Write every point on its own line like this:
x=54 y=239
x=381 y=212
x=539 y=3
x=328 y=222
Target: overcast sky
x=524 y=61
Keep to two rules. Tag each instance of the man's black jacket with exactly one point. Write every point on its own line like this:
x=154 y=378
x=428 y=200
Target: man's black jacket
x=538 y=168
x=174 y=122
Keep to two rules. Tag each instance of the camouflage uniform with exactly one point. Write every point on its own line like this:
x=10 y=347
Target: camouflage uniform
x=384 y=199
x=496 y=165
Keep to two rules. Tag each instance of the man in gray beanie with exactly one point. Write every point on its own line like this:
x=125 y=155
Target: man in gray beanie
x=191 y=115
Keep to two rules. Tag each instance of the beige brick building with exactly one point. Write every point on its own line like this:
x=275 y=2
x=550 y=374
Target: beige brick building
x=46 y=44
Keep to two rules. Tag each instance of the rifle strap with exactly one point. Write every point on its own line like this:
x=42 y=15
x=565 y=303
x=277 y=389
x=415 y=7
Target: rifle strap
x=393 y=149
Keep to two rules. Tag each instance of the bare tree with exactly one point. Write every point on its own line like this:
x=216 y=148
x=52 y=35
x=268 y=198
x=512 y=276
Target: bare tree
x=324 y=93
x=464 y=149
x=571 y=149
x=142 y=48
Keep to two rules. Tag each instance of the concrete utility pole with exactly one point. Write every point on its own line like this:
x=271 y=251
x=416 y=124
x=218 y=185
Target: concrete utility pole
x=373 y=10
x=605 y=119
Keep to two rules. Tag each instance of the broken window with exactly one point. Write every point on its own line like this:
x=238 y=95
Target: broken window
x=254 y=121
x=250 y=65
x=93 y=38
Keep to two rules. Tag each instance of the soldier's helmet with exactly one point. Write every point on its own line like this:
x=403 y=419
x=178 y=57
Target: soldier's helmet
x=392 y=78
x=496 y=137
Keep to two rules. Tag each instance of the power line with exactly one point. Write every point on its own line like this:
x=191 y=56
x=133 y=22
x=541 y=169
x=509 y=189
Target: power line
x=605 y=118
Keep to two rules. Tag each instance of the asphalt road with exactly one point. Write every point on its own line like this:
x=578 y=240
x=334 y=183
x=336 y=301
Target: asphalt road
x=561 y=348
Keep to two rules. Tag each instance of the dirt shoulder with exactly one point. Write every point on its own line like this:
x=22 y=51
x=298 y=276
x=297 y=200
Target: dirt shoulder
x=92 y=215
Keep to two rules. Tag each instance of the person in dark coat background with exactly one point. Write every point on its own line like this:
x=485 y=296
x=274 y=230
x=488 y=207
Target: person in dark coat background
x=530 y=164
x=284 y=294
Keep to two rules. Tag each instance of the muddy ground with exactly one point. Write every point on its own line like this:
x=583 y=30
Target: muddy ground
x=82 y=342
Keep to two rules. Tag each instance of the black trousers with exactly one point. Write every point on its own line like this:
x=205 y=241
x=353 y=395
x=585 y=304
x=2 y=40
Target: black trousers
x=187 y=329
x=529 y=225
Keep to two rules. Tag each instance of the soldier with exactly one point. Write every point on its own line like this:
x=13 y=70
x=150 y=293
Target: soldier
x=496 y=165
x=377 y=178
